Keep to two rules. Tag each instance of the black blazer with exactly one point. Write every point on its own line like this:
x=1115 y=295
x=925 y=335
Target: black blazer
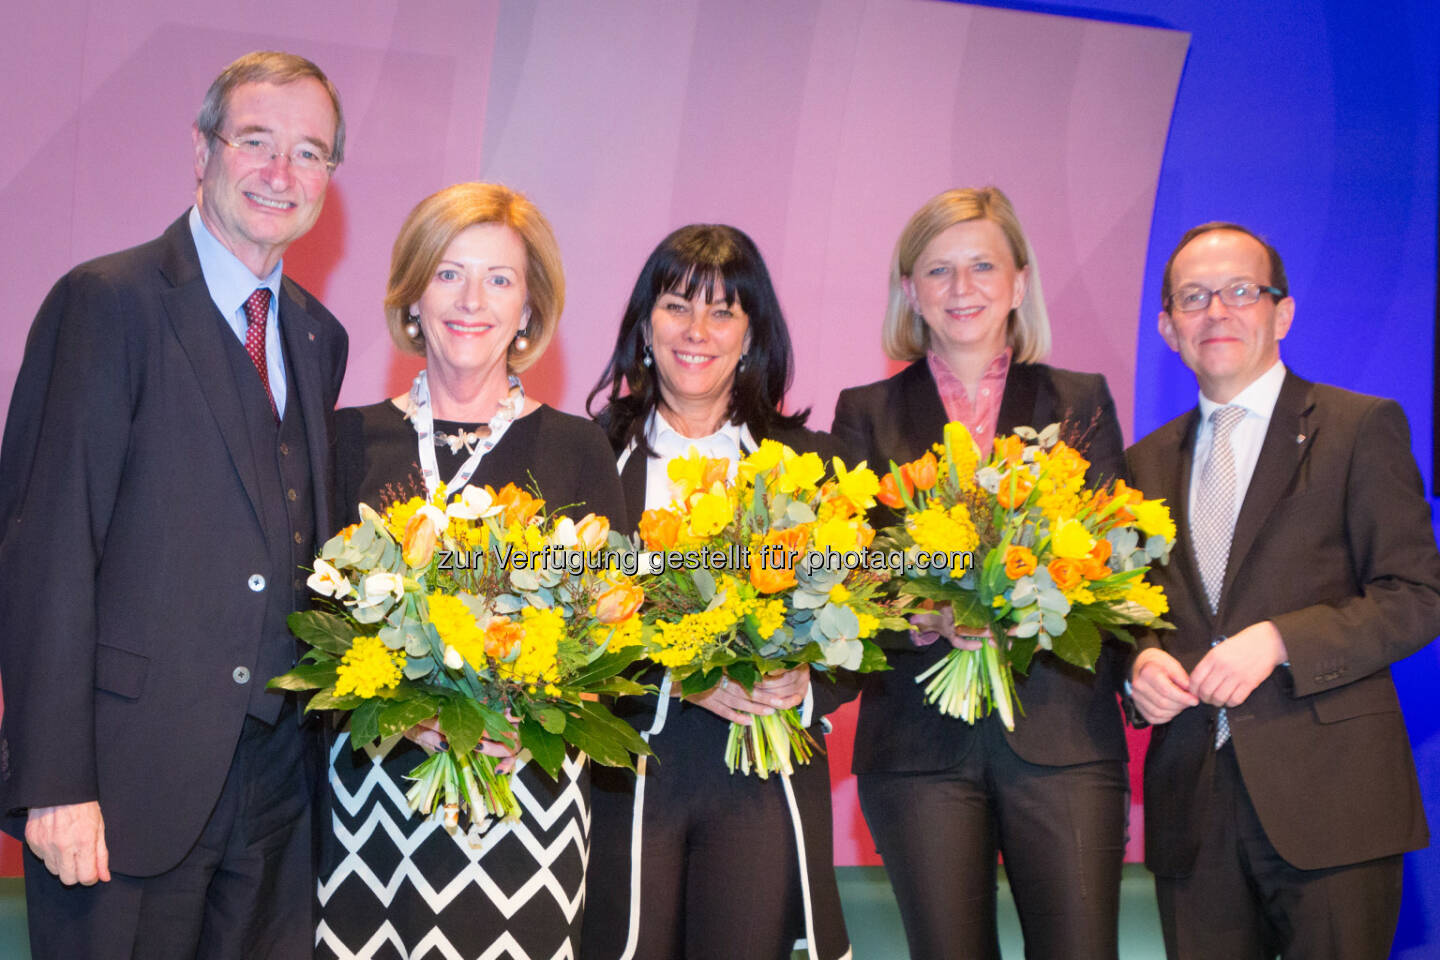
x=132 y=543
x=1071 y=715
x=1334 y=546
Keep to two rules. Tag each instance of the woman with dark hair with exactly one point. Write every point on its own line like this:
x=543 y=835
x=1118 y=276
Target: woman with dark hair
x=688 y=860
x=476 y=288
x=942 y=796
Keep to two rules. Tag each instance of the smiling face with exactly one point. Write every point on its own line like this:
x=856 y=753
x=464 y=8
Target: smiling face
x=697 y=345
x=474 y=304
x=1227 y=347
x=257 y=210
x=964 y=284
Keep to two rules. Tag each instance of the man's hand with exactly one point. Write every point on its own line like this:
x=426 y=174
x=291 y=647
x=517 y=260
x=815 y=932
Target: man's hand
x=70 y=839
x=1159 y=686
x=778 y=691
x=1235 y=667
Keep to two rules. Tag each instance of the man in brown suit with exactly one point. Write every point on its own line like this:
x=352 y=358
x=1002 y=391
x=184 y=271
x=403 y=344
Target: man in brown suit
x=1280 y=791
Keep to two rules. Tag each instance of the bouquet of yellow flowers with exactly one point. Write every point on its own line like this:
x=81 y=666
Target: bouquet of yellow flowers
x=485 y=616
x=1053 y=563
x=761 y=574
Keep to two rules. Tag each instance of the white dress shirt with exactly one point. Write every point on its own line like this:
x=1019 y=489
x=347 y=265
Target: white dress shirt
x=732 y=442
x=1259 y=401
x=230 y=283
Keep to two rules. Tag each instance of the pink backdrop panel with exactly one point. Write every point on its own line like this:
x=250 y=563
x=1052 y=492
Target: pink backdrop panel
x=819 y=135
x=817 y=126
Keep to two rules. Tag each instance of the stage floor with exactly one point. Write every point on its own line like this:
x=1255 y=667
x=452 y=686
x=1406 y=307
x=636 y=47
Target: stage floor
x=870 y=914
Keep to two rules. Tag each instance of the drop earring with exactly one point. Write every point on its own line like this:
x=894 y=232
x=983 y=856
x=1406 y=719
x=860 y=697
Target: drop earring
x=647 y=356
x=522 y=342
x=412 y=327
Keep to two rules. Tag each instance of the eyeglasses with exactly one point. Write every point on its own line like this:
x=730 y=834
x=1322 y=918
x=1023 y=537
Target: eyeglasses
x=261 y=150
x=1241 y=293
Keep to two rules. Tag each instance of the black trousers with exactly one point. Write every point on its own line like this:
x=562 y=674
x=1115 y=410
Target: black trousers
x=1243 y=901
x=1060 y=829
x=244 y=891
x=718 y=869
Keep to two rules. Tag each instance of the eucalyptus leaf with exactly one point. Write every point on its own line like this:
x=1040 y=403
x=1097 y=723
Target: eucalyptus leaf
x=704 y=583
x=799 y=512
x=417 y=667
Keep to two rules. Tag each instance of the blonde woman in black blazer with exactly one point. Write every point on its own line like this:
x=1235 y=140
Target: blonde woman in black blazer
x=942 y=797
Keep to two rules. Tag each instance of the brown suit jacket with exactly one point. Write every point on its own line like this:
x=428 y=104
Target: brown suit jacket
x=1070 y=714
x=1333 y=545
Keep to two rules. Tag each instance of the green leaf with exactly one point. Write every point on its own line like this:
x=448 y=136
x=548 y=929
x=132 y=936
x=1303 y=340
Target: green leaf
x=603 y=737
x=1079 y=644
x=872 y=659
x=551 y=718
x=463 y=723
x=322 y=630
x=604 y=666
x=401 y=715
x=699 y=682
x=1022 y=651
x=365 y=723
x=306 y=676
x=744 y=673
x=547 y=749
x=326 y=700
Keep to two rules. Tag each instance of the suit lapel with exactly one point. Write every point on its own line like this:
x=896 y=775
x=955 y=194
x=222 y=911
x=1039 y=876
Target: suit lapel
x=1023 y=404
x=632 y=481
x=1280 y=456
x=302 y=357
x=923 y=417
x=199 y=328
x=1180 y=451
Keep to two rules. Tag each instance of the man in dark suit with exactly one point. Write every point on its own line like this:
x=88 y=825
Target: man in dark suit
x=1280 y=791
x=164 y=473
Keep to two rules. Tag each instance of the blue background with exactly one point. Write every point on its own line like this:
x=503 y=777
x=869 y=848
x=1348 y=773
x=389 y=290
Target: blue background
x=1315 y=124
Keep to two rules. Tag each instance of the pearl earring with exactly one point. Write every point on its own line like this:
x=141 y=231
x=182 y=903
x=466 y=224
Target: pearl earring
x=412 y=327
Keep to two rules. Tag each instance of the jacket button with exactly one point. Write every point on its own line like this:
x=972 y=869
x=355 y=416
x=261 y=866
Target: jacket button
x=256 y=582
x=241 y=675
x=284 y=449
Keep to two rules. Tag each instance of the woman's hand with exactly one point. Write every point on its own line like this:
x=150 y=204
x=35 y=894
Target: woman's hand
x=778 y=691
x=427 y=734
x=931 y=625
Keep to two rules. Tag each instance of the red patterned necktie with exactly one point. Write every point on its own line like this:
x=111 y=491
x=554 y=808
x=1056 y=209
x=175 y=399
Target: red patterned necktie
x=257 y=310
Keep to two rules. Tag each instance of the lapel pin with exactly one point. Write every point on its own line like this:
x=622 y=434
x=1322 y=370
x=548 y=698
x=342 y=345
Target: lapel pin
x=312 y=340
x=1299 y=437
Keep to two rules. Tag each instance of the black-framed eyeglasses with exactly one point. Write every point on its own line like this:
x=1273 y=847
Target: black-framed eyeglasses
x=261 y=150
x=1241 y=293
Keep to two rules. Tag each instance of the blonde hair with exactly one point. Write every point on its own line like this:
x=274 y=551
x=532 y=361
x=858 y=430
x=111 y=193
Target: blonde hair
x=431 y=227
x=905 y=335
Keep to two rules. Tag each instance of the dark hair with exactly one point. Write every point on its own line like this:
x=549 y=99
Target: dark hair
x=708 y=256
x=1277 y=266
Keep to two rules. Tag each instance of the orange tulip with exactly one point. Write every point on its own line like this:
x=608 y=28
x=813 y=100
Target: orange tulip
x=592 y=531
x=925 y=471
x=1015 y=487
x=417 y=546
x=1095 y=568
x=660 y=529
x=1019 y=562
x=518 y=508
x=772 y=566
x=618 y=603
x=890 y=492
x=501 y=636
x=1066 y=573
x=1009 y=449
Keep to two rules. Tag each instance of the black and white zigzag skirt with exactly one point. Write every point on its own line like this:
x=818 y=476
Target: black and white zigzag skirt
x=398 y=886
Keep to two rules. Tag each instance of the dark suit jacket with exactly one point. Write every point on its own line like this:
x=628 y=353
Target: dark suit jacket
x=1071 y=715
x=1334 y=546
x=131 y=542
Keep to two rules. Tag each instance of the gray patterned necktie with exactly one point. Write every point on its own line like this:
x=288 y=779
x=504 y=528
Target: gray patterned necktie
x=1212 y=521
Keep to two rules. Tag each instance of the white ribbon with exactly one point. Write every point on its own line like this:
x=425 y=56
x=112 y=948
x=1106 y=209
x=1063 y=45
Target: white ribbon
x=423 y=419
